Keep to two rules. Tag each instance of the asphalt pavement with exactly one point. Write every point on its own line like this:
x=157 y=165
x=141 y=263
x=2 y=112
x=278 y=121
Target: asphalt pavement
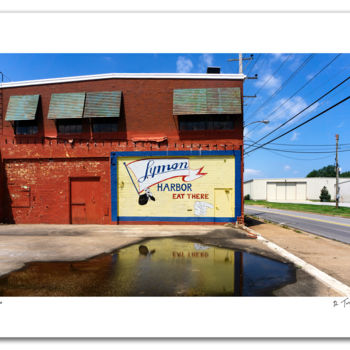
x=332 y=227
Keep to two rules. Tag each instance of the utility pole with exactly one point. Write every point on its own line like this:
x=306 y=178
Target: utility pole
x=336 y=173
x=240 y=62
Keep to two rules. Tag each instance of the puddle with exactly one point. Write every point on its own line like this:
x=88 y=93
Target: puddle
x=157 y=267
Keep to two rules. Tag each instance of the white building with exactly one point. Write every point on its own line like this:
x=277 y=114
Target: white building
x=295 y=189
x=344 y=185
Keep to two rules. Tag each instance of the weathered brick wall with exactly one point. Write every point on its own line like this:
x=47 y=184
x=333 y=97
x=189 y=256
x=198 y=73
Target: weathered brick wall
x=40 y=189
x=3 y=201
x=1 y=112
x=37 y=170
x=147 y=106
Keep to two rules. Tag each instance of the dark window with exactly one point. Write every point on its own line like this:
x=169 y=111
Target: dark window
x=26 y=127
x=69 y=126
x=207 y=122
x=104 y=124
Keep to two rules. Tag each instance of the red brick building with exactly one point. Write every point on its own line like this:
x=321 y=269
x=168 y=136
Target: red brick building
x=60 y=141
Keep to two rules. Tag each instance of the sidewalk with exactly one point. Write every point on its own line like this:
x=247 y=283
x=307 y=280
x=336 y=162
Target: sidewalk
x=329 y=256
x=20 y=244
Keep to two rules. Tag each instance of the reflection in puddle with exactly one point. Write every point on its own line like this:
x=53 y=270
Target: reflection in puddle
x=158 y=267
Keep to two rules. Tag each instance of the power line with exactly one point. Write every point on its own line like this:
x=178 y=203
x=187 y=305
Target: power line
x=254 y=64
x=293 y=151
x=303 y=145
x=297 y=145
x=300 y=125
x=307 y=107
x=332 y=79
x=319 y=104
x=272 y=75
x=307 y=159
x=307 y=83
x=4 y=75
x=295 y=72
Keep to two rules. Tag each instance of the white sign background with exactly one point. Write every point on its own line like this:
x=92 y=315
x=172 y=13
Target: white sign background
x=149 y=172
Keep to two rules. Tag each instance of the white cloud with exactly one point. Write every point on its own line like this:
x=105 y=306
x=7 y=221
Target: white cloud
x=251 y=172
x=272 y=82
x=294 y=62
x=183 y=65
x=245 y=131
x=312 y=108
x=287 y=167
x=309 y=76
x=278 y=56
x=285 y=109
x=295 y=136
x=205 y=61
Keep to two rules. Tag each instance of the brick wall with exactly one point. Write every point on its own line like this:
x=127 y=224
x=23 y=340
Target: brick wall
x=36 y=170
x=40 y=189
x=146 y=107
x=3 y=202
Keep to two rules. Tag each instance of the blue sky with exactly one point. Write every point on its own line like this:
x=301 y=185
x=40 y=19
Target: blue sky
x=280 y=76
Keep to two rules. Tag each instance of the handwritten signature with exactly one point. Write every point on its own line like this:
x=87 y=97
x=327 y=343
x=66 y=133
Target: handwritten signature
x=345 y=302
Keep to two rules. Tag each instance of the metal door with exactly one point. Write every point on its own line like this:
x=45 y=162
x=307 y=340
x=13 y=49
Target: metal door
x=280 y=191
x=291 y=189
x=86 y=201
x=271 y=191
x=223 y=203
x=301 y=191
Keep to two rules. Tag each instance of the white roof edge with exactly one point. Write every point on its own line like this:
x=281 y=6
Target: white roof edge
x=293 y=178
x=125 y=76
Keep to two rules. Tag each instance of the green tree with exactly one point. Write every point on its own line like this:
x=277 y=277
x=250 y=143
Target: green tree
x=326 y=171
x=325 y=196
x=345 y=174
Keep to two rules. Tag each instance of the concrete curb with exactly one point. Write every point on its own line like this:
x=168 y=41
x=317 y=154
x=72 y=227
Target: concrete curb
x=310 y=269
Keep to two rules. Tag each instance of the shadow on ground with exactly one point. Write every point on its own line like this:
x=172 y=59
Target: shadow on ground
x=249 y=221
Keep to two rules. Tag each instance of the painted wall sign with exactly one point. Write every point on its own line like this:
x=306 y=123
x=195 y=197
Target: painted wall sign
x=169 y=188
x=149 y=172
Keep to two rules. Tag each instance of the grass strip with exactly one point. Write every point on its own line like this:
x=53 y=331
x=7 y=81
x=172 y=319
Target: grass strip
x=309 y=208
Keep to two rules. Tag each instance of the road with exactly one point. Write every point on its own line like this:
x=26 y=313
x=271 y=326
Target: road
x=327 y=226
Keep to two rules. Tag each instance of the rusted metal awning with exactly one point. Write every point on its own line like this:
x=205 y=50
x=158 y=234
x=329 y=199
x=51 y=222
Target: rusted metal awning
x=67 y=106
x=207 y=101
x=104 y=104
x=22 y=107
x=148 y=138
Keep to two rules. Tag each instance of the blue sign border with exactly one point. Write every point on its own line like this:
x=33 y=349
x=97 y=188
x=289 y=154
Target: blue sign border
x=114 y=185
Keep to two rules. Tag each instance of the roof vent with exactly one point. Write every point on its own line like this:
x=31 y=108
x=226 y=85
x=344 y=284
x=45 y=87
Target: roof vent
x=213 y=70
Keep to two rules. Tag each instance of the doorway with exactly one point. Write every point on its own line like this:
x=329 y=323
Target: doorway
x=86 y=201
x=223 y=203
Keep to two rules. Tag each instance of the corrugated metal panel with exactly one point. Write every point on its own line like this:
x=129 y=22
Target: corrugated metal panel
x=189 y=101
x=67 y=106
x=22 y=107
x=224 y=101
x=102 y=104
x=207 y=101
